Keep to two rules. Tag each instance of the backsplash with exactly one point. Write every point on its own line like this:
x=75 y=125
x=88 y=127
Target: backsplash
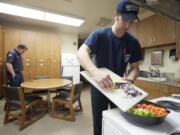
x=169 y=66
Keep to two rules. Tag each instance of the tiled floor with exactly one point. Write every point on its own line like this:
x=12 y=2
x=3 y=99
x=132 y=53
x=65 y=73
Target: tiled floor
x=51 y=126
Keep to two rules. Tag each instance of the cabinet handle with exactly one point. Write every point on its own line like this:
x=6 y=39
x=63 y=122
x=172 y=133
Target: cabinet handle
x=27 y=64
x=150 y=41
x=154 y=39
x=41 y=64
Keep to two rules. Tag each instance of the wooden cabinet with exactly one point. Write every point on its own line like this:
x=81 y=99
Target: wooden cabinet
x=54 y=57
x=178 y=39
x=145 y=33
x=1 y=62
x=156 y=31
x=155 y=90
x=43 y=55
x=174 y=90
x=164 y=30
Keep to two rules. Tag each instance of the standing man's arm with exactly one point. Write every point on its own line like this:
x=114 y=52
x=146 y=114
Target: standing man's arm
x=10 y=69
x=133 y=73
x=101 y=78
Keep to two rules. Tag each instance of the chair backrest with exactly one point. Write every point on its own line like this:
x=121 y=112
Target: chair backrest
x=41 y=77
x=13 y=93
x=78 y=88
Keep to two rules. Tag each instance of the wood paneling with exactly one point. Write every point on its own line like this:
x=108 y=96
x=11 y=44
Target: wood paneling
x=11 y=40
x=174 y=90
x=178 y=39
x=155 y=90
x=164 y=30
x=145 y=32
x=43 y=55
x=1 y=62
x=156 y=31
x=54 y=59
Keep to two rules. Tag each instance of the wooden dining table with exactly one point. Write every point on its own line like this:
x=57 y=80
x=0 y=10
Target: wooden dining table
x=50 y=84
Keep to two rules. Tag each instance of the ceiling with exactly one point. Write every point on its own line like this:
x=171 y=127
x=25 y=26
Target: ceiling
x=96 y=13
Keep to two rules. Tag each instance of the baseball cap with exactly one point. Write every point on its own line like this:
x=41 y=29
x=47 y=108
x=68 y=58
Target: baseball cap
x=127 y=10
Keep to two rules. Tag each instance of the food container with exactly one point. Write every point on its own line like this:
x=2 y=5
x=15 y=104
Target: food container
x=145 y=120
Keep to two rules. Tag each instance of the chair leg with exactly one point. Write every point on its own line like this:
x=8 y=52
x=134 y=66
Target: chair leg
x=5 y=106
x=6 y=118
x=80 y=105
x=22 y=119
x=71 y=112
x=42 y=106
x=53 y=106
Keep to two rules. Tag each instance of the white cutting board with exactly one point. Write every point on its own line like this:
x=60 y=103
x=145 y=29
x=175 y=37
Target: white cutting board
x=117 y=96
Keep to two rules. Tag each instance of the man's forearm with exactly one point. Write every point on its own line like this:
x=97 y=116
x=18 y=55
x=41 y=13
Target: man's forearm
x=133 y=74
x=85 y=60
x=103 y=79
x=10 y=69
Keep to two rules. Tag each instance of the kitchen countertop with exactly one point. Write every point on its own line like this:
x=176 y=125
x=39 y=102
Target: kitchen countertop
x=168 y=82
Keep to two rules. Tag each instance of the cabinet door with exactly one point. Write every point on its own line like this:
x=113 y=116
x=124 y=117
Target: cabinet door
x=29 y=70
x=27 y=38
x=11 y=39
x=163 y=90
x=174 y=90
x=54 y=56
x=148 y=87
x=41 y=51
x=145 y=32
x=1 y=62
x=164 y=30
x=155 y=90
x=178 y=39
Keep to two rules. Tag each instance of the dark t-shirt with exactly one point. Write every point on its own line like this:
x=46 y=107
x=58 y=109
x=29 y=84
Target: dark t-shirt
x=15 y=59
x=112 y=52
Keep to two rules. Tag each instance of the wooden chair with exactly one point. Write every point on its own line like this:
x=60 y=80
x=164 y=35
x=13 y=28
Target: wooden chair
x=67 y=88
x=15 y=98
x=68 y=98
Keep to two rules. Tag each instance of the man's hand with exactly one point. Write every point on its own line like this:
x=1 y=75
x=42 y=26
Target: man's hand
x=127 y=79
x=13 y=75
x=103 y=79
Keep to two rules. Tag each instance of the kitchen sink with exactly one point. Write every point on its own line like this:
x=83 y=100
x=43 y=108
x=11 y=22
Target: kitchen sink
x=161 y=79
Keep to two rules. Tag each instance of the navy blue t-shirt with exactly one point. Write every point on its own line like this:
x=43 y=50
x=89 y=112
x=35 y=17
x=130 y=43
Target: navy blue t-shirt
x=112 y=52
x=15 y=59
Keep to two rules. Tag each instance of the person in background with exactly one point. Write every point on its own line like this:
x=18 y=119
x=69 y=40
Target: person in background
x=113 y=48
x=14 y=65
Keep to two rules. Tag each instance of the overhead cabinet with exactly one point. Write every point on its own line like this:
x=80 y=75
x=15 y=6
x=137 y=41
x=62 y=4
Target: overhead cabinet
x=1 y=62
x=156 y=31
x=145 y=33
x=178 y=39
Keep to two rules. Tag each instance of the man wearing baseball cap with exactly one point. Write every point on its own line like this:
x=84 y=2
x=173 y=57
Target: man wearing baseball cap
x=113 y=48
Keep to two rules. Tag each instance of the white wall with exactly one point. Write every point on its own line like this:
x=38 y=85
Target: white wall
x=169 y=65
x=67 y=42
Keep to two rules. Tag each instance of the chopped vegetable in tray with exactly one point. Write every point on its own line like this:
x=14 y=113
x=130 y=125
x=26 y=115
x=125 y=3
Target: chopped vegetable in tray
x=148 y=110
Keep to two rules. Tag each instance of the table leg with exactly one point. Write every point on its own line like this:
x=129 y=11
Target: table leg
x=49 y=101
